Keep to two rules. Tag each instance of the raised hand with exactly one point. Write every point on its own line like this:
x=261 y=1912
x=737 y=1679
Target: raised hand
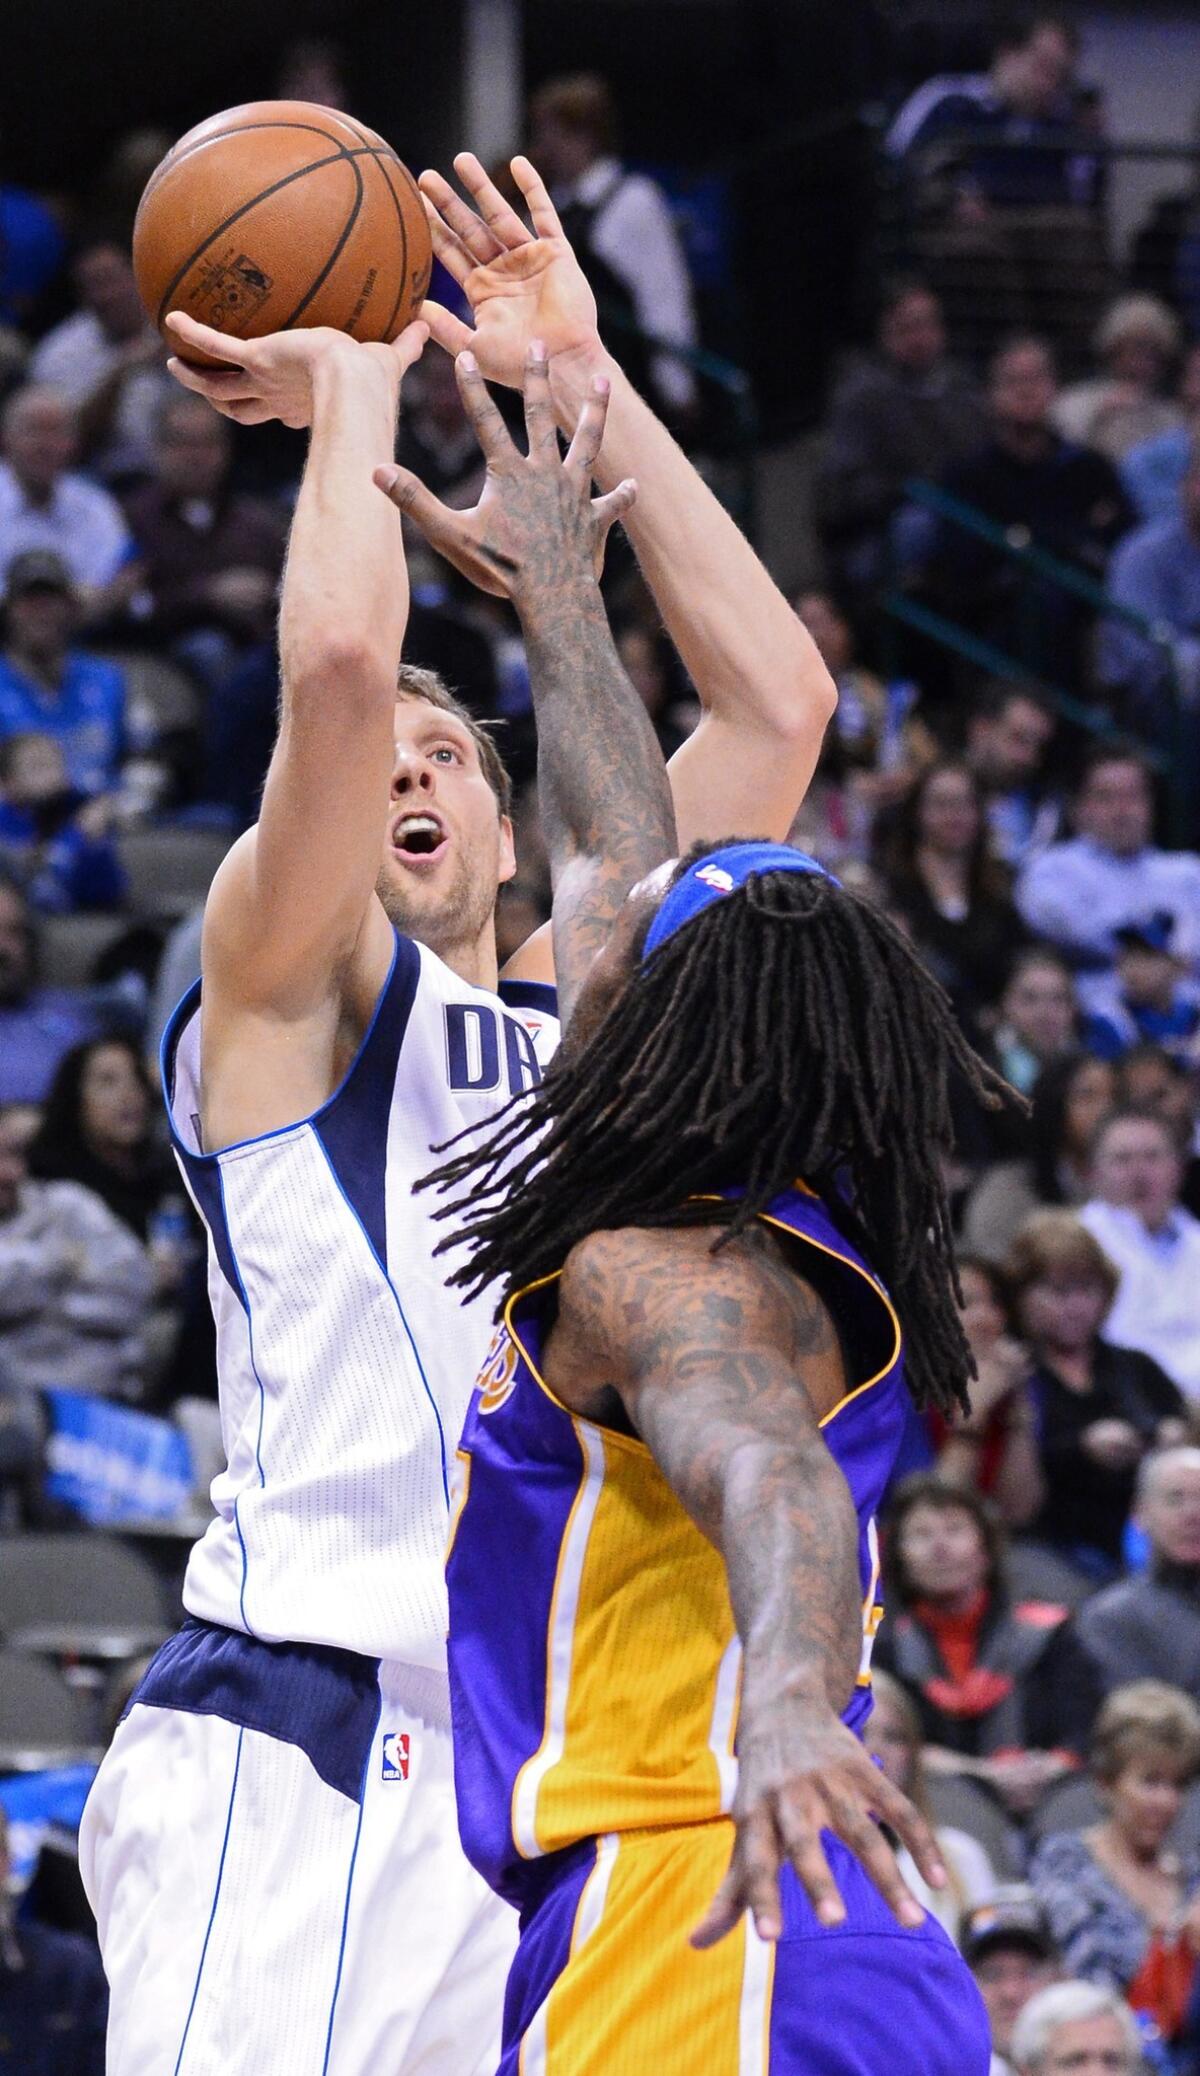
x=273 y=377
x=801 y=1772
x=537 y=528
x=522 y=285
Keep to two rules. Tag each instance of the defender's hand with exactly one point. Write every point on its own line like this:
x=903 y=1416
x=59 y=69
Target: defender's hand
x=801 y=1772
x=536 y=530
x=521 y=285
x=273 y=377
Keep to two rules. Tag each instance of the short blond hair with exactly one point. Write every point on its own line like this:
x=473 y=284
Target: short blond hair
x=1146 y=1716
x=1056 y=1239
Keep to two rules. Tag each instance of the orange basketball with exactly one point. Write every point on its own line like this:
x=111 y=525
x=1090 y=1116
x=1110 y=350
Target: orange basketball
x=283 y=213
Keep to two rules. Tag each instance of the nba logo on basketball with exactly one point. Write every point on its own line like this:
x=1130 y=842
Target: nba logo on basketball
x=395 y=1755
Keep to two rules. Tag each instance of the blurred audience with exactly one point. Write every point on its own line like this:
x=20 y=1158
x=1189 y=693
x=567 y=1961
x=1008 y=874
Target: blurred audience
x=76 y=1287
x=55 y=839
x=1118 y=1898
x=436 y=439
x=107 y=360
x=1060 y=496
x=49 y=687
x=1037 y=1019
x=906 y=410
x=1009 y=735
x=1076 y=2029
x=1006 y=1692
x=1070 y=1098
x=939 y=876
x=1147 y=1626
x=1136 y=347
x=1100 y=1409
x=98 y=1129
x=209 y=557
x=1153 y=471
x=1156 y=573
x=1079 y=893
x=1149 y=998
x=32 y=249
x=53 y=1996
x=38 y=1025
x=994 y=1448
x=620 y=225
x=1006 y=1944
x=46 y=504
x=1024 y=97
x=893 y=1738
x=1152 y=1242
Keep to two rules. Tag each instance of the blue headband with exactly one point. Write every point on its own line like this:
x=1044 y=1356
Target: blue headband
x=720 y=873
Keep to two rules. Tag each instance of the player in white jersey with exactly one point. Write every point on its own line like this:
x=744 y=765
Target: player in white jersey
x=271 y=1845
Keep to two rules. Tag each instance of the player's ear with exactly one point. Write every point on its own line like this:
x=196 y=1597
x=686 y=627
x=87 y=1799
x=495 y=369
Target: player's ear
x=508 y=850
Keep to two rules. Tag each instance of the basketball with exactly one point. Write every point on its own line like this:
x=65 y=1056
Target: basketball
x=283 y=213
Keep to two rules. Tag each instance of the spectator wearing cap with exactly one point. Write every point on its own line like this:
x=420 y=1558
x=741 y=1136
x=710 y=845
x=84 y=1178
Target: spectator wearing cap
x=1005 y=1692
x=906 y=410
x=1156 y=572
x=38 y=1025
x=54 y=838
x=1077 y=2029
x=53 y=1996
x=1081 y=892
x=1148 y=1626
x=1152 y=1242
x=210 y=557
x=1151 y=998
x=1123 y=1906
x=1009 y=735
x=51 y=688
x=1006 y=1944
x=107 y=360
x=76 y=1287
x=1153 y=471
x=1137 y=342
x=1099 y=1409
x=618 y=218
x=45 y=504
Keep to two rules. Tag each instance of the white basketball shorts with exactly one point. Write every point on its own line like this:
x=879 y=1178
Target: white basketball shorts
x=271 y=1850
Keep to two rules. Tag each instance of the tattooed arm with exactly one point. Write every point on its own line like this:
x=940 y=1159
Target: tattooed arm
x=724 y=1364
x=537 y=537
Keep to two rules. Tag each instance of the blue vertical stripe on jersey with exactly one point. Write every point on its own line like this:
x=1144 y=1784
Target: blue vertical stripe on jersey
x=362 y=1801
x=240 y=1288
x=237 y=1764
x=353 y=1123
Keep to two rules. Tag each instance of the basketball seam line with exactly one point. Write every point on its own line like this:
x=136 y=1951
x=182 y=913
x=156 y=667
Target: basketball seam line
x=403 y=282
x=169 y=164
x=264 y=194
x=333 y=259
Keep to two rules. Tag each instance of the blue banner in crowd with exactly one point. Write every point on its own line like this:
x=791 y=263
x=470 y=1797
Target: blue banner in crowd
x=35 y=1803
x=110 y=1464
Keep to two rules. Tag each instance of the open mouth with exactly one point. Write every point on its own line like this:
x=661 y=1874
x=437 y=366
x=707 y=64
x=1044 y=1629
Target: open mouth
x=418 y=838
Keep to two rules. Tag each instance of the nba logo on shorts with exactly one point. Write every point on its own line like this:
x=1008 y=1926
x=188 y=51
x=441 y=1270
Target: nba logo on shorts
x=395 y=1755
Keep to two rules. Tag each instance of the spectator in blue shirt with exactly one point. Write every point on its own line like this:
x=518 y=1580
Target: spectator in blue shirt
x=1149 y=999
x=32 y=249
x=55 y=839
x=50 y=688
x=1156 y=572
x=53 y=1996
x=1154 y=470
x=38 y=1026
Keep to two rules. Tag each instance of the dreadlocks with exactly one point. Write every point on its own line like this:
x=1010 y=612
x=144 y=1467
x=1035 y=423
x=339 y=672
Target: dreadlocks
x=787 y=1031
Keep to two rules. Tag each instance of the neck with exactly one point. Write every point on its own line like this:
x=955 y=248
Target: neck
x=1074 y=1365
x=1026 y=442
x=947 y=868
x=476 y=962
x=964 y=1602
x=1122 y=1847
x=122 y=1159
x=35 y=493
x=43 y=664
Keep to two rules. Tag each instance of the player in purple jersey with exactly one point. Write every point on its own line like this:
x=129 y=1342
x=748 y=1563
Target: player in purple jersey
x=694 y=1365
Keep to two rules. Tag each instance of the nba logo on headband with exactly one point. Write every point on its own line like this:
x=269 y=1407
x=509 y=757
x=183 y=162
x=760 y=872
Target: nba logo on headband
x=719 y=875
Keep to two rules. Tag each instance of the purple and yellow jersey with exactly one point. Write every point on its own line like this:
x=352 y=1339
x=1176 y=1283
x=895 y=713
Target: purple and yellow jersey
x=594 y=1663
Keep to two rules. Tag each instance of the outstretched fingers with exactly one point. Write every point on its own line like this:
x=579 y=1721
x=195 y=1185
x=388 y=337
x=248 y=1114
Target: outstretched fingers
x=499 y=215
x=415 y=500
x=447 y=245
x=752 y=1883
x=588 y=437
x=446 y=330
x=613 y=506
x=470 y=229
x=541 y=425
x=490 y=429
x=202 y=338
x=543 y=214
x=910 y=1827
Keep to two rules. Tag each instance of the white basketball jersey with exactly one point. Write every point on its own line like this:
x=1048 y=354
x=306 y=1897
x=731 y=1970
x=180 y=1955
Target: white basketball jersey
x=344 y=1364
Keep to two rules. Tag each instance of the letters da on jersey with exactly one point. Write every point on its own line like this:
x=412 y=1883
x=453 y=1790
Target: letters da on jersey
x=484 y=1046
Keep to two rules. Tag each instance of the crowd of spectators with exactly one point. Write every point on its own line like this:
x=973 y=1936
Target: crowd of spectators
x=1038 y=1688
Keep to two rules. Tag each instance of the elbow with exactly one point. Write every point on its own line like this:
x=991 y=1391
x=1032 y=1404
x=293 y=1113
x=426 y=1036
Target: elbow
x=809 y=704
x=345 y=663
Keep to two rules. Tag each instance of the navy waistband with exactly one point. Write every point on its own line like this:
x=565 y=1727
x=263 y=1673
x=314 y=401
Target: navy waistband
x=321 y=1699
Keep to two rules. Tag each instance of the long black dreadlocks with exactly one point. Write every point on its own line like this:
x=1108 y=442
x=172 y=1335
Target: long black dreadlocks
x=787 y=1031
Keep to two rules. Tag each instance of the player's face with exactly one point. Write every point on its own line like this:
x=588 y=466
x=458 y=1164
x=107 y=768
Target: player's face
x=447 y=849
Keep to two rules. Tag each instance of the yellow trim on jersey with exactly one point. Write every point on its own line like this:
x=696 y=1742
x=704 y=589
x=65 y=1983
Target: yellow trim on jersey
x=462 y=1487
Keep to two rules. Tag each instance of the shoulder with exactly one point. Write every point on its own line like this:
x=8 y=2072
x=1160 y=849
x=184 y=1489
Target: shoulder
x=96 y=673
x=947 y=98
x=1064 y=1855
